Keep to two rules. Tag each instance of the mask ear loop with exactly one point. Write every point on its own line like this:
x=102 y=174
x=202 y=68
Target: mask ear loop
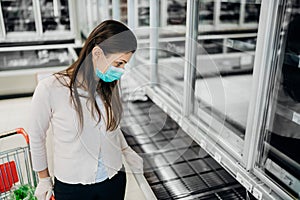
x=103 y=54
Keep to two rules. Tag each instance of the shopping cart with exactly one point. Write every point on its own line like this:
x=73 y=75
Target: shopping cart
x=15 y=163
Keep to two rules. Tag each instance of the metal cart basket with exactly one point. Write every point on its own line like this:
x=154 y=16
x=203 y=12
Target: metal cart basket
x=15 y=163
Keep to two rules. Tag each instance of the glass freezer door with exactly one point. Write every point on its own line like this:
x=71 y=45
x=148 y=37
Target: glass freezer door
x=55 y=15
x=18 y=15
x=280 y=157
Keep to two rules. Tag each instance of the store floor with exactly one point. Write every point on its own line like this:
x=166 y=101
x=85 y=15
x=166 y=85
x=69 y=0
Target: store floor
x=14 y=114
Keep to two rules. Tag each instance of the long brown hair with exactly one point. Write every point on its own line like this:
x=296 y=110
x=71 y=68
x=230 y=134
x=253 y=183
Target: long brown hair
x=112 y=37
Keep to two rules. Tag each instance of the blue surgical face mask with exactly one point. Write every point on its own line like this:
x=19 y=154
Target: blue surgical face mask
x=112 y=73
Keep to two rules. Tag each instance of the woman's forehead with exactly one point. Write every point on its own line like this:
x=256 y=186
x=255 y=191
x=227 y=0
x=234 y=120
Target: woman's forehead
x=121 y=56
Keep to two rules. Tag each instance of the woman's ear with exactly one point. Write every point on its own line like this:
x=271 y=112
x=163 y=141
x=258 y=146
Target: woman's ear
x=97 y=52
x=99 y=59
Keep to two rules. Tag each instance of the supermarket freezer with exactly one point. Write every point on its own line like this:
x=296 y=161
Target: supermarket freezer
x=22 y=67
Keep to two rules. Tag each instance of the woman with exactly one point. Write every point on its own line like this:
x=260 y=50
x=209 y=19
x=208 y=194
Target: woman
x=83 y=108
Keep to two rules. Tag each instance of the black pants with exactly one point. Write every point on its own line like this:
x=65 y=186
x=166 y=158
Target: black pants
x=113 y=188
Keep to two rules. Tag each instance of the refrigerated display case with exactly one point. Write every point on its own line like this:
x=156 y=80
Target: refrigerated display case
x=252 y=11
x=230 y=12
x=239 y=119
x=35 y=21
x=122 y=10
x=206 y=14
x=29 y=59
x=214 y=15
x=21 y=66
x=176 y=12
x=280 y=158
x=143 y=13
x=18 y=16
x=55 y=15
x=37 y=36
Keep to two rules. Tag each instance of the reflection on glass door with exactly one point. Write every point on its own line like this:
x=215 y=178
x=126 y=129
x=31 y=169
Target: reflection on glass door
x=55 y=15
x=176 y=12
x=252 y=10
x=280 y=155
x=123 y=8
x=230 y=11
x=18 y=15
x=143 y=13
x=206 y=14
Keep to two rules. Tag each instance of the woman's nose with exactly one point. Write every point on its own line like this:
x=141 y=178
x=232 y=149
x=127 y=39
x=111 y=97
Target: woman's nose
x=123 y=66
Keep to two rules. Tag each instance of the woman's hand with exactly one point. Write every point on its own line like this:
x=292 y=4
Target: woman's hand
x=44 y=189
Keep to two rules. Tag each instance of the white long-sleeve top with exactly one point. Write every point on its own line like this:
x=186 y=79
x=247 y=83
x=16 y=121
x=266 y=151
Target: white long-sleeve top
x=75 y=155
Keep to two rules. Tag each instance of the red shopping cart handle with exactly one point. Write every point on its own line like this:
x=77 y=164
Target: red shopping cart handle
x=14 y=132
